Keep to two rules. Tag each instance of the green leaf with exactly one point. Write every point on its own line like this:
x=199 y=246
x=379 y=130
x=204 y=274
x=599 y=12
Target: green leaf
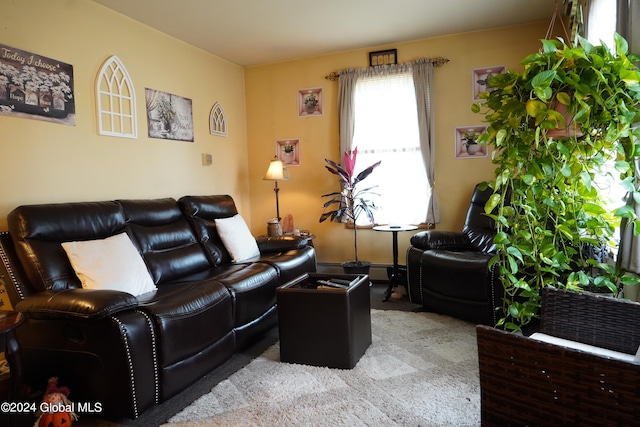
x=544 y=78
x=622 y=47
x=535 y=107
x=563 y=98
x=593 y=209
x=515 y=252
x=513 y=265
x=543 y=92
x=493 y=201
x=548 y=46
x=501 y=238
x=630 y=77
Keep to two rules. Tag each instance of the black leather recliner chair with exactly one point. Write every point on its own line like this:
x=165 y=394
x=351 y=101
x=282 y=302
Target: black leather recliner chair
x=448 y=271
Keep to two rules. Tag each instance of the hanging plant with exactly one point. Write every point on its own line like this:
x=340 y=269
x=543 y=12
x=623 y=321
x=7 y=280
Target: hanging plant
x=549 y=212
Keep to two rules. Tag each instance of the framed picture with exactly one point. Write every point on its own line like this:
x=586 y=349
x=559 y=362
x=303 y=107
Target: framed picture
x=310 y=102
x=288 y=150
x=466 y=142
x=36 y=87
x=169 y=116
x=481 y=77
x=383 y=57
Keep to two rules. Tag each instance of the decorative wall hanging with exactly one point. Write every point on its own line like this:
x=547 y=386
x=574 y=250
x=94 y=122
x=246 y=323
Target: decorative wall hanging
x=481 y=77
x=466 y=142
x=169 y=116
x=116 y=99
x=288 y=150
x=383 y=57
x=310 y=102
x=36 y=87
x=217 y=121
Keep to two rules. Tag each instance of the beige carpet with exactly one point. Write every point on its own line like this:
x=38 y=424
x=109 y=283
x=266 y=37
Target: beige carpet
x=421 y=370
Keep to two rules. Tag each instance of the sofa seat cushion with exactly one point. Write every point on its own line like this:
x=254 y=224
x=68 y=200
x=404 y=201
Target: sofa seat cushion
x=188 y=317
x=253 y=287
x=455 y=274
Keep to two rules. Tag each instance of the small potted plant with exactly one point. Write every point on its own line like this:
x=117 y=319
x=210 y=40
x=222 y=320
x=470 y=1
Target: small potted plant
x=347 y=205
x=287 y=153
x=310 y=103
x=470 y=142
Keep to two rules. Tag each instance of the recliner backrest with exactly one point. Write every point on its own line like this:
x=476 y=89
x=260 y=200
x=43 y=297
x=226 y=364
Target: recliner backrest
x=168 y=244
x=37 y=232
x=480 y=228
x=202 y=211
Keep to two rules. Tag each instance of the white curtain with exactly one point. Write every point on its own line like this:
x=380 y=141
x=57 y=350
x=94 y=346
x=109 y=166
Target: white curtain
x=346 y=92
x=422 y=79
x=401 y=134
x=601 y=22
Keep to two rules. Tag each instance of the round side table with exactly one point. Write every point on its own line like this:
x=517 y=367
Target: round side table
x=9 y=321
x=395 y=229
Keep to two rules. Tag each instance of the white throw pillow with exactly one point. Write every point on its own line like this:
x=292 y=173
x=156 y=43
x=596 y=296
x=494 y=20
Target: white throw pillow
x=237 y=238
x=112 y=263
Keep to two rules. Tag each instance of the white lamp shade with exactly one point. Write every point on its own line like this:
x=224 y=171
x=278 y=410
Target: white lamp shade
x=276 y=171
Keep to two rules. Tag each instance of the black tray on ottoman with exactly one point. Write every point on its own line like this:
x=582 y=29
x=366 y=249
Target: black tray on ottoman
x=322 y=325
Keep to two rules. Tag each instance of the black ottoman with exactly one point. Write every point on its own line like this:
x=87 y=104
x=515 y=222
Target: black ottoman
x=324 y=327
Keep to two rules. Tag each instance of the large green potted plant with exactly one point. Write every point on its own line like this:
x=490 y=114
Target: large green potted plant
x=347 y=205
x=547 y=206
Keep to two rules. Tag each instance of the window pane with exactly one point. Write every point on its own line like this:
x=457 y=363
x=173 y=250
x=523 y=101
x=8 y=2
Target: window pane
x=602 y=22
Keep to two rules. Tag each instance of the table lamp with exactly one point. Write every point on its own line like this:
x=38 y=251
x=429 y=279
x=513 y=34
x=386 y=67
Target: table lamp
x=276 y=172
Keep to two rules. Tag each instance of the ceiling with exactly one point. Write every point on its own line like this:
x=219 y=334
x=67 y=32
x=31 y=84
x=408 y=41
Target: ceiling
x=256 y=32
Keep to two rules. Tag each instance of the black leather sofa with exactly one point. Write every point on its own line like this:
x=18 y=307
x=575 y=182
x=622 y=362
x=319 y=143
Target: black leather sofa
x=129 y=352
x=448 y=273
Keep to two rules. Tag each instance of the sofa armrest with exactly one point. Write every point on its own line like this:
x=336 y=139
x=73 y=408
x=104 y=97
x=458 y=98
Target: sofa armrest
x=90 y=304
x=437 y=239
x=281 y=243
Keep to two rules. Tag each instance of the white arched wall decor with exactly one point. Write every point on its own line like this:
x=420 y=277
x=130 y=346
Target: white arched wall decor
x=218 y=121
x=116 y=99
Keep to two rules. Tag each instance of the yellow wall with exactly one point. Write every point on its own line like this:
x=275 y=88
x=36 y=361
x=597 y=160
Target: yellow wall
x=43 y=162
x=272 y=115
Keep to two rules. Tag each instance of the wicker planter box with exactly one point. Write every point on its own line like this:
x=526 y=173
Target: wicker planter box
x=528 y=382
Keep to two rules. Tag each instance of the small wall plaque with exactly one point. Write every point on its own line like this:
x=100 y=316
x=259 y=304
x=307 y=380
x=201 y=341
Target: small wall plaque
x=383 y=57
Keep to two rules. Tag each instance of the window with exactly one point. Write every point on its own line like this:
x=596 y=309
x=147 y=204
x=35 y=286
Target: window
x=116 y=100
x=601 y=22
x=386 y=128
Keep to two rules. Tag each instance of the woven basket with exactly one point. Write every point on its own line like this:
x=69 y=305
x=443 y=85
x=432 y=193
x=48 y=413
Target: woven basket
x=525 y=382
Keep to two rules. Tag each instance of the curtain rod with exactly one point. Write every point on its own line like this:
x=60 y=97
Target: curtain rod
x=437 y=62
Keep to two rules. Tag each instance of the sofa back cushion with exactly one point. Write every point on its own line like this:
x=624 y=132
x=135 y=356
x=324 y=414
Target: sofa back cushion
x=477 y=226
x=168 y=244
x=202 y=211
x=38 y=231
